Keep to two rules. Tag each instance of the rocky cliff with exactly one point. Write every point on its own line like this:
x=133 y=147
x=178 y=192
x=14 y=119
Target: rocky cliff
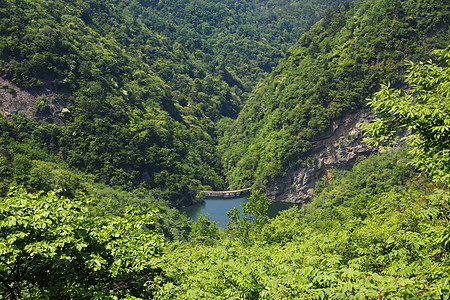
x=41 y=103
x=338 y=147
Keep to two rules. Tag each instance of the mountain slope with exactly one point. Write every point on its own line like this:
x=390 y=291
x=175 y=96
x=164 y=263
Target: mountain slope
x=328 y=74
x=138 y=85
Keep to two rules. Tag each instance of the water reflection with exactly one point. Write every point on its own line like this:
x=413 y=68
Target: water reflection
x=217 y=209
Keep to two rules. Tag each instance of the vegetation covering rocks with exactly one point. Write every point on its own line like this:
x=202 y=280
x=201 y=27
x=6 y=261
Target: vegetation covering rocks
x=330 y=72
x=146 y=90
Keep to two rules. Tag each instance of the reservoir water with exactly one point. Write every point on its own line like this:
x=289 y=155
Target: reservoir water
x=217 y=209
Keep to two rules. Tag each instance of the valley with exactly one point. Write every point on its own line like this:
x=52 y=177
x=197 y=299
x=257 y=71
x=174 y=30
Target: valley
x=117 y=115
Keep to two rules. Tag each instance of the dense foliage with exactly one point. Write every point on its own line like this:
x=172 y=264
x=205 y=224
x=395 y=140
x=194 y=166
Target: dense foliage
x=52 y=247
x=333 y=68
x=377 y=232
x=424 y=110
x=140 y=97
x=36 y=170
x=346 y=193
x=139 y=84
x=244 y=38
x=390 y=243
x=121 y=122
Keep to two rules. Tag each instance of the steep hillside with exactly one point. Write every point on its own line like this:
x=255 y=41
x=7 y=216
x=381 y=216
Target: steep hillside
x=137 y=85
x=376 y=232
x=325 y=77
x=121 y=122
x=246 y=38
x=109 y=138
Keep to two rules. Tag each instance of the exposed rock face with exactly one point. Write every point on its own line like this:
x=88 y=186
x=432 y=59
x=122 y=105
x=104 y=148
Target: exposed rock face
x=338 y=147
x=14 y=99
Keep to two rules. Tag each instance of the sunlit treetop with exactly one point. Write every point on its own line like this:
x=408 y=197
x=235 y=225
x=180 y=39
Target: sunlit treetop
x=423 y=108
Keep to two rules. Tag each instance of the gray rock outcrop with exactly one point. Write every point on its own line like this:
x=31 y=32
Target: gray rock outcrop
x=338 y=147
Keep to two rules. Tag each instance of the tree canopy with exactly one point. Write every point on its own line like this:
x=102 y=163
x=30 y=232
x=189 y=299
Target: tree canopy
x=53 y=247
x=143 y=90
x=424 y=110
x=331 y=70
x=139 y=85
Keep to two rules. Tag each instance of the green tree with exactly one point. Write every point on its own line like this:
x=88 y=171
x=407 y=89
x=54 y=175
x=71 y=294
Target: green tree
x=424 y=110
x=255 y=210
x=204 y=231
x=248 y=225
x=54 y=248
x=22 y=168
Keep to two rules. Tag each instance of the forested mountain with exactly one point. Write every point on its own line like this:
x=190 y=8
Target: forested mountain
x=245 y=37
x=328 y=74
x=379 y=231
x=137 y=85
x=114 y=113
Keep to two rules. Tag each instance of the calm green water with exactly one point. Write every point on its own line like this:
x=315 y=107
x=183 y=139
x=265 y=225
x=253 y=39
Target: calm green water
x=217 y=209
